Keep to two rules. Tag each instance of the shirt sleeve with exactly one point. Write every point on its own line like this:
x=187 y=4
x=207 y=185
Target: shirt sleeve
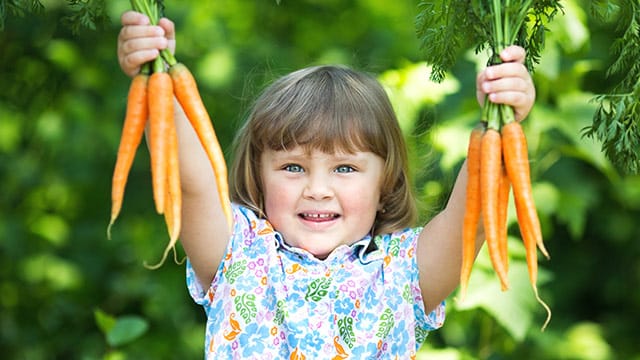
x=424 y=322
x=205 y=296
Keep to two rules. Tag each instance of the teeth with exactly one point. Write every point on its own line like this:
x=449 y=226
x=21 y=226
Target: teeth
x=318 y=216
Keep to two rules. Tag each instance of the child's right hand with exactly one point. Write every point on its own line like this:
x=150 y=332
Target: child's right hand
x=139 y=42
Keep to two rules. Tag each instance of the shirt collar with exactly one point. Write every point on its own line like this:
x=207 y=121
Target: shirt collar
x=366 y=250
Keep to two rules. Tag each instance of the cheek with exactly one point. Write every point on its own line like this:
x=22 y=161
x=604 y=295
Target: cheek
x=276 y=198
x=357 y=202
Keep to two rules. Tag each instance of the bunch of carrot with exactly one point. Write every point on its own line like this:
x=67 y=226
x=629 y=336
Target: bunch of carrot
x=497 y=154
x=497 y=163
x=150 y=102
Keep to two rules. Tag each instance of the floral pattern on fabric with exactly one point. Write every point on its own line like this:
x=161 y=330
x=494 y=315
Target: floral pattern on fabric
x=272 y=301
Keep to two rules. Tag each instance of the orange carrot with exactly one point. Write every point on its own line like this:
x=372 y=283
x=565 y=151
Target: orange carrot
x=490 y=164
x=517 y=163
x=186 y=90
x=174 y=189
x=132 y=131
x=503 y=209
x=173 y=199
x=160 y=118
x=472 y=208
x=532 y=264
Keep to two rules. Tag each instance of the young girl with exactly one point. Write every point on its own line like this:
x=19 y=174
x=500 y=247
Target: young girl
x=324 y=260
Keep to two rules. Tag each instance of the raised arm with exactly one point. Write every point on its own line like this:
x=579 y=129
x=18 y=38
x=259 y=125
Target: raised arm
x=440 y=244
x=205 y=231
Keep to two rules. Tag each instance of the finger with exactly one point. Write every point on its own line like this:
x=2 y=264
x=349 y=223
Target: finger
x=480 y=93
x=133 y=53
x=130 y=44
x=513 y=53
x=133 y=18
x=513 y=98
x=521 y=102
x=169 y=33
x=132 y=63
x=129 y=32
x=505 y=84
x=507 y=69
x=169 y=28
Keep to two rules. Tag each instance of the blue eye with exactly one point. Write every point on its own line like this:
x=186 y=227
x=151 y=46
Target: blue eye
x=345 y=169
x=293 y=168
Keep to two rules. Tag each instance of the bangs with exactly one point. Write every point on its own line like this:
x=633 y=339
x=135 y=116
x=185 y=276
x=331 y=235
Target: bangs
x=331 y=111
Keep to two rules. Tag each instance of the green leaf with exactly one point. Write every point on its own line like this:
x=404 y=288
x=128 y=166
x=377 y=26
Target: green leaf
x=126 y=329
x=616 y=111
x=104 y=321
x=87 y=15
x=281 y=312
x=446 y=28
x=386 y=323
x=235 y=270
x=245 y=304
x=345 y=326
x=318 y=289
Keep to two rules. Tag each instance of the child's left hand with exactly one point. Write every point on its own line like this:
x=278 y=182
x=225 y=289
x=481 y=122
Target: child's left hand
x=508 y=83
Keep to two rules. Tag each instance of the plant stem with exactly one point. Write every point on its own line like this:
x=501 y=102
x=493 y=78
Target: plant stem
x=158 y=65
x=146 y=68
x=147 y=7
x=492 y=111
x=168 y=57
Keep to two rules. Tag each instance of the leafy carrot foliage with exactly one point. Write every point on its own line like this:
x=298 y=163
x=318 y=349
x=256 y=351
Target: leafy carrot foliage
x=448 y=27
x=616 y=122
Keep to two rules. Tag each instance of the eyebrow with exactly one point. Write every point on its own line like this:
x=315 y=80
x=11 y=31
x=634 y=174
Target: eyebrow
x=298 y=153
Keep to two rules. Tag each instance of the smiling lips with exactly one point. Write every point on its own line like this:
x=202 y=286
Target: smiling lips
x=319 y=217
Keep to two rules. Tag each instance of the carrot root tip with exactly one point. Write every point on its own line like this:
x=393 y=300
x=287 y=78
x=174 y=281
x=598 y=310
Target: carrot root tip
x=159 y=263
x=545 y=306
x=545 y=252
x=111 y=222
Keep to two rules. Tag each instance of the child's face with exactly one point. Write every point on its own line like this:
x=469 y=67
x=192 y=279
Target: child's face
x=319 y=201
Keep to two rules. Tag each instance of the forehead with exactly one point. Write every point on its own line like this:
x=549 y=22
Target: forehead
x=300 y=153
x=330 y=135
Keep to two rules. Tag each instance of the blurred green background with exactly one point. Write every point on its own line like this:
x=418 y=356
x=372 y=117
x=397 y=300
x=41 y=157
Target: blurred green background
x=66 y=292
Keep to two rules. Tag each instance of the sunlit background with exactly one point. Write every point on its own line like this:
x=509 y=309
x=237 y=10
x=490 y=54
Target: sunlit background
x=68 y=292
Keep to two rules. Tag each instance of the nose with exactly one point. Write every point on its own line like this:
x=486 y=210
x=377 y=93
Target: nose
x=318 y=187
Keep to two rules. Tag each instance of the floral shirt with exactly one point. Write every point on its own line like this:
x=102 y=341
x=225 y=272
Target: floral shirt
x=272 y=301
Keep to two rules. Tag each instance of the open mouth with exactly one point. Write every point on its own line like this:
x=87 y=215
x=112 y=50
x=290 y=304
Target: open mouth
x=318 y=217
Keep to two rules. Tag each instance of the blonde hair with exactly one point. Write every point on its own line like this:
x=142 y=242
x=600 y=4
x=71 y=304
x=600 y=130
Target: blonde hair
x=327 y=108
